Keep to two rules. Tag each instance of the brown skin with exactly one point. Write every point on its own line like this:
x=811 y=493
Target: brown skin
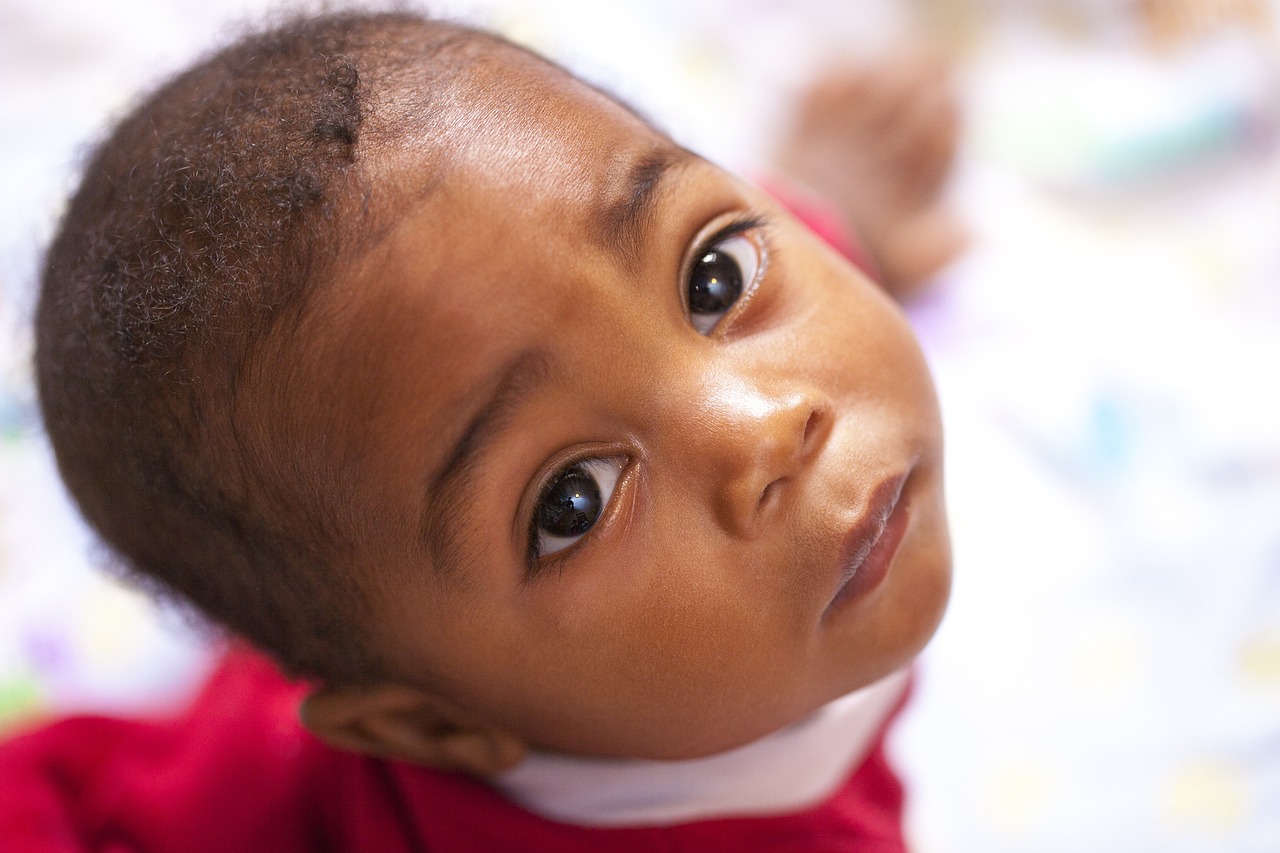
x=695 y=616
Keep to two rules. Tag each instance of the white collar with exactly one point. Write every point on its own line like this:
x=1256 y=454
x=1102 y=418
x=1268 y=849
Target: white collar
x=786 y=771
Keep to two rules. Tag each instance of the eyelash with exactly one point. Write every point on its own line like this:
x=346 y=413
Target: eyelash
x=742 y=224
x=532 y=552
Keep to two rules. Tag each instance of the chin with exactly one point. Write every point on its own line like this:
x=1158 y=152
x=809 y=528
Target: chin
x=906 y=618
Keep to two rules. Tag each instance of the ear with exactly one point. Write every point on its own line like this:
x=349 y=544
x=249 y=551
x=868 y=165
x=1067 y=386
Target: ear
x=395 y=721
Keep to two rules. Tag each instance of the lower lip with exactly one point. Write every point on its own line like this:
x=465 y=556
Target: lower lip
x=875 y=567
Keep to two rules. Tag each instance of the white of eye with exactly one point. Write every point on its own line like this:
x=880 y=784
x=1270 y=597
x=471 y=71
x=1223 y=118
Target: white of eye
x=555 y=526
x=719 y=277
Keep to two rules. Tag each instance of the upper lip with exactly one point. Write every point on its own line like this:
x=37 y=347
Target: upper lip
x=864 y=534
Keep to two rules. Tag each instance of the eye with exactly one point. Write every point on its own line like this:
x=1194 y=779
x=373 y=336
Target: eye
x=720 y=274
x=571 y=503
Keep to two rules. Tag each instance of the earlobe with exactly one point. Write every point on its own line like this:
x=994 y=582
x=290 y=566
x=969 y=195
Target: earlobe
x=394 y=721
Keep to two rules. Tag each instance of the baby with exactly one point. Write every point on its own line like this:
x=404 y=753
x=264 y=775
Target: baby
x=542 y=451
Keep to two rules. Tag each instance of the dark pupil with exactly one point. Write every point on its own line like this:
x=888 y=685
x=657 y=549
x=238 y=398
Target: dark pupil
x=715 y=284
x=571 y=506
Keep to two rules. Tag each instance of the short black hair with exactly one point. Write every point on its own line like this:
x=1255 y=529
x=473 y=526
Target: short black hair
x=204 y=224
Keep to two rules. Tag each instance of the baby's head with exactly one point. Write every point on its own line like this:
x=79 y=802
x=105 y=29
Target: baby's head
x=456 y=386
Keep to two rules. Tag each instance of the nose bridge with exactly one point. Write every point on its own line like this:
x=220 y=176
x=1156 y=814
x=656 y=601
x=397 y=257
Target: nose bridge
x=756 y=407
x=750 y=433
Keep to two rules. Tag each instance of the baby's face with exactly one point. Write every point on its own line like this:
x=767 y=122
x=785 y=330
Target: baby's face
x=654 y=471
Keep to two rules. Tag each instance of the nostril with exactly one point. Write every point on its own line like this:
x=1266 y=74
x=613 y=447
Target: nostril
x=811 y=425
x=768 y=496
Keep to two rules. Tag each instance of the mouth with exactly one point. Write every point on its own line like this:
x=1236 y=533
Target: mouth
x=871 y=544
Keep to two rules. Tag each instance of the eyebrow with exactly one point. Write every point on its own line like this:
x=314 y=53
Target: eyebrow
x=518 y=380
x=626 y=217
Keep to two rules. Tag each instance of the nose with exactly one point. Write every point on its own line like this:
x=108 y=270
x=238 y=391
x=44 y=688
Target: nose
x=759 y=440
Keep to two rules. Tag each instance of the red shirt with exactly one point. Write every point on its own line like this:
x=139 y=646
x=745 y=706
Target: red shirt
x=237 y=772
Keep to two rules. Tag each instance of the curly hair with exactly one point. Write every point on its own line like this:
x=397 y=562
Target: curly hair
x=206 y=222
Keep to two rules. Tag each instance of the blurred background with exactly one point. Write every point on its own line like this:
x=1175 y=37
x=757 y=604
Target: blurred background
x=1107 y=354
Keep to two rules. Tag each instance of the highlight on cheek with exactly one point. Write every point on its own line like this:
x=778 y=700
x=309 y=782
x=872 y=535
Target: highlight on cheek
x=570 y=503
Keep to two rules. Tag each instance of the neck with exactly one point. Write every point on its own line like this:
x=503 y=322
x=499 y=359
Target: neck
x=786 y=771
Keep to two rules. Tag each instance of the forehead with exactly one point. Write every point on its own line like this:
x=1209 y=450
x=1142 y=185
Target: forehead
x=519 y=153
x=505 y=199
x=503 y=118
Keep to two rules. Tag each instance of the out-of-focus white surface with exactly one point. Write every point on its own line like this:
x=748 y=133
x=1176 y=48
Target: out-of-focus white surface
x=1108 y=676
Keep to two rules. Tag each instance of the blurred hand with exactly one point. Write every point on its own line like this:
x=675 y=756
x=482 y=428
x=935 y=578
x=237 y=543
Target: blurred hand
x=878 y=143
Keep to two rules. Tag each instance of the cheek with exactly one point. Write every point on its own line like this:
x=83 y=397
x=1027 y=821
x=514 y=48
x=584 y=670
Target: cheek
x=666 y=649
x=673 y=610
x=866 y=351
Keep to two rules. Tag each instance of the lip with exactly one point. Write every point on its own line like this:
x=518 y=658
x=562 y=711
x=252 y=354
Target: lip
x=869 y=547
